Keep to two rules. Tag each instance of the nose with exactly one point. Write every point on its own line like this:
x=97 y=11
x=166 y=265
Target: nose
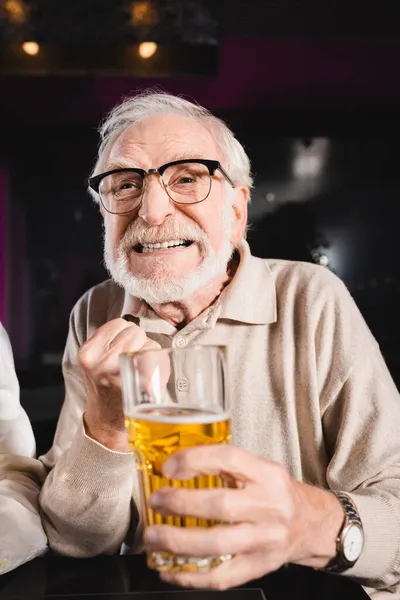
x=156 y=205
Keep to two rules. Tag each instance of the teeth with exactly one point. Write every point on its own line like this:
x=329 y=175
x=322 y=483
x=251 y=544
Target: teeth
x=162 y=245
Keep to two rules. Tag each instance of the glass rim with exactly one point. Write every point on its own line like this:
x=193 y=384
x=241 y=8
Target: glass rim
x=130 y=363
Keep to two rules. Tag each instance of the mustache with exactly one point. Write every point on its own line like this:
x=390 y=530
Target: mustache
x=171 y=229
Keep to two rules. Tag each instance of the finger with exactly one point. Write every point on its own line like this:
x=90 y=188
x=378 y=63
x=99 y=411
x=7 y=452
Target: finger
x=214 y=460
x=94 y=348
x=129 y=339
x=196 y=541
x=220 y=504
x=99 y=357
x=232 y=573
x=109 y=330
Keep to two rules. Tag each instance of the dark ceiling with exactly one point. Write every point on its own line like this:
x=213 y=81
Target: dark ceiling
x=226 y=54
x=198 y=22
x=336 y=18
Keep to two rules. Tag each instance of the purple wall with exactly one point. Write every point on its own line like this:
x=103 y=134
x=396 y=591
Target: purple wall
x=251 y=73
x=262 y=72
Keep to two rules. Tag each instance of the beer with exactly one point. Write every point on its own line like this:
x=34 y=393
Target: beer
x=155 y=433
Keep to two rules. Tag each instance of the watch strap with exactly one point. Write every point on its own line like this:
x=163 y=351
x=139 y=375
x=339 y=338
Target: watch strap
x=339 y=563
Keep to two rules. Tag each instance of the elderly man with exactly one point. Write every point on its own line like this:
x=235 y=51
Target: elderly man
x=316 y=414
x=21 y=534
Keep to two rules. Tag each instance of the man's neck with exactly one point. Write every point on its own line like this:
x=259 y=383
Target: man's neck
x=181 y=313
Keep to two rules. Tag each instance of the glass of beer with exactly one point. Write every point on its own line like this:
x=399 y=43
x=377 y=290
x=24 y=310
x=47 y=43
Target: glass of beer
x=175 y=399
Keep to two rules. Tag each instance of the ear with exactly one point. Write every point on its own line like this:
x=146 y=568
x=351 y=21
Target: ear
x=239 y=208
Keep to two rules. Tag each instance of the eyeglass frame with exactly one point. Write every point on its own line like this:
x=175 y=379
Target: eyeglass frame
x=212 y=166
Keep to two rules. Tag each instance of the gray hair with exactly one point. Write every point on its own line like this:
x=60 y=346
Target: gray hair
x=148 y=103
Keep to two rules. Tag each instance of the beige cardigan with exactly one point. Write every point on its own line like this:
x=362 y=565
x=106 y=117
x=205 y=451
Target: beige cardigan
x=309 y=388
x=21 y=534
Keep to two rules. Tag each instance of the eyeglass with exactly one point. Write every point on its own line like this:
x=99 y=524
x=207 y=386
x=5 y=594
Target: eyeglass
x=185 y=181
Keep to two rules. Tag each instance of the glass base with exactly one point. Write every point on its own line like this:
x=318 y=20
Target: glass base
x=165 y=561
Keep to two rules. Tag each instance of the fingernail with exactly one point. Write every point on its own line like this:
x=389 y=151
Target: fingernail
x=169 y=468
x=155 y=500
x=150 y=536
x=130 y=318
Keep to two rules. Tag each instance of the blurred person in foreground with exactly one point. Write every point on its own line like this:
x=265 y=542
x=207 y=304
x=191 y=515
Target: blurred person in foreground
x=315 y=413
x=21 y=534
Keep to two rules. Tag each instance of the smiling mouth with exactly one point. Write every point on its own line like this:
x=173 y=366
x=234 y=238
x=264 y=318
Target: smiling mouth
x=145 y=248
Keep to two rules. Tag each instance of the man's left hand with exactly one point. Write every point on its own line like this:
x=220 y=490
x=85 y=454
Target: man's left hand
x=271 y=518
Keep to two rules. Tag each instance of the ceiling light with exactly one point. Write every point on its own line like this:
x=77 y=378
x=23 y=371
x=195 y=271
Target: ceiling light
x=17 y=11
x=147 y=49
x=31 y=48
x=143 y=13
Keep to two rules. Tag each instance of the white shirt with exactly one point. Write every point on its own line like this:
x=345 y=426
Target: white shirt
x=16 y=435
x=21 y=533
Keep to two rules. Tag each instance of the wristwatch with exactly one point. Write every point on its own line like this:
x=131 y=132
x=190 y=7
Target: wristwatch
x=350 y=540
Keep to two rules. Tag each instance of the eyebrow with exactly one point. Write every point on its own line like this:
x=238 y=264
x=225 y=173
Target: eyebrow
x=188 y=156
x=123 y=163
x=120 y=163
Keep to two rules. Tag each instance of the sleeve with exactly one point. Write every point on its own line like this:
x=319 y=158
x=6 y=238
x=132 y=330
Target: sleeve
x=361 y=420
x=86 y=501
x=21 y=532
x=16 y=435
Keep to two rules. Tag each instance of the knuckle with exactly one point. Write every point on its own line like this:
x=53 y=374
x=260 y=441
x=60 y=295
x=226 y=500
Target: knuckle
x=288 y=512
x=185 y=580
x=173 y=500
x=105 y=382
x=139 y=336
x=225 y=505
x=217 y=582
x=163 y=538
x=151 y=344
x=219 y=541
x=282 y=538
x=183 y=458
x=170 y=542
x=136 y=334
x=284 y=512
x=232 y=455
x=84 y=355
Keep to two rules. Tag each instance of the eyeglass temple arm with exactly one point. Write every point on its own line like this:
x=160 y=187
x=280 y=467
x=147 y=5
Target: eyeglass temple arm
x=225 y=174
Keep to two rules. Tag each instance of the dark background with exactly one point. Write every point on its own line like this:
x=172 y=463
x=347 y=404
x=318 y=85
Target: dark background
x=313 y=93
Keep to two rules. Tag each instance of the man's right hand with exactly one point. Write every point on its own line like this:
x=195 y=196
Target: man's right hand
x=98 y=359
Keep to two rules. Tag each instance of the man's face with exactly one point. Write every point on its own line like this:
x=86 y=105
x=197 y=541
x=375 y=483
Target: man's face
x=213 y=227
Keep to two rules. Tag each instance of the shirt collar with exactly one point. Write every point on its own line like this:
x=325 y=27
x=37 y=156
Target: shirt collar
x=251 y=295
x=144 y=316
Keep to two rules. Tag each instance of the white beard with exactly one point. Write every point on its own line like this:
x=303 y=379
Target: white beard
x=159 y=288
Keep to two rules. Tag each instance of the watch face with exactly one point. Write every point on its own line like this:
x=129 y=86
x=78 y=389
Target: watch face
x=353 y=543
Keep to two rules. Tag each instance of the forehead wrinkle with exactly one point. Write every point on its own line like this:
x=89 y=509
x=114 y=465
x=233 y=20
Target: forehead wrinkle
x=122 y=162
x=132 y=150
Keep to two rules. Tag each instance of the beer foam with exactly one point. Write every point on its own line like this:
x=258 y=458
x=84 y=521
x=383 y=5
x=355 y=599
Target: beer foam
x=176 y=414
